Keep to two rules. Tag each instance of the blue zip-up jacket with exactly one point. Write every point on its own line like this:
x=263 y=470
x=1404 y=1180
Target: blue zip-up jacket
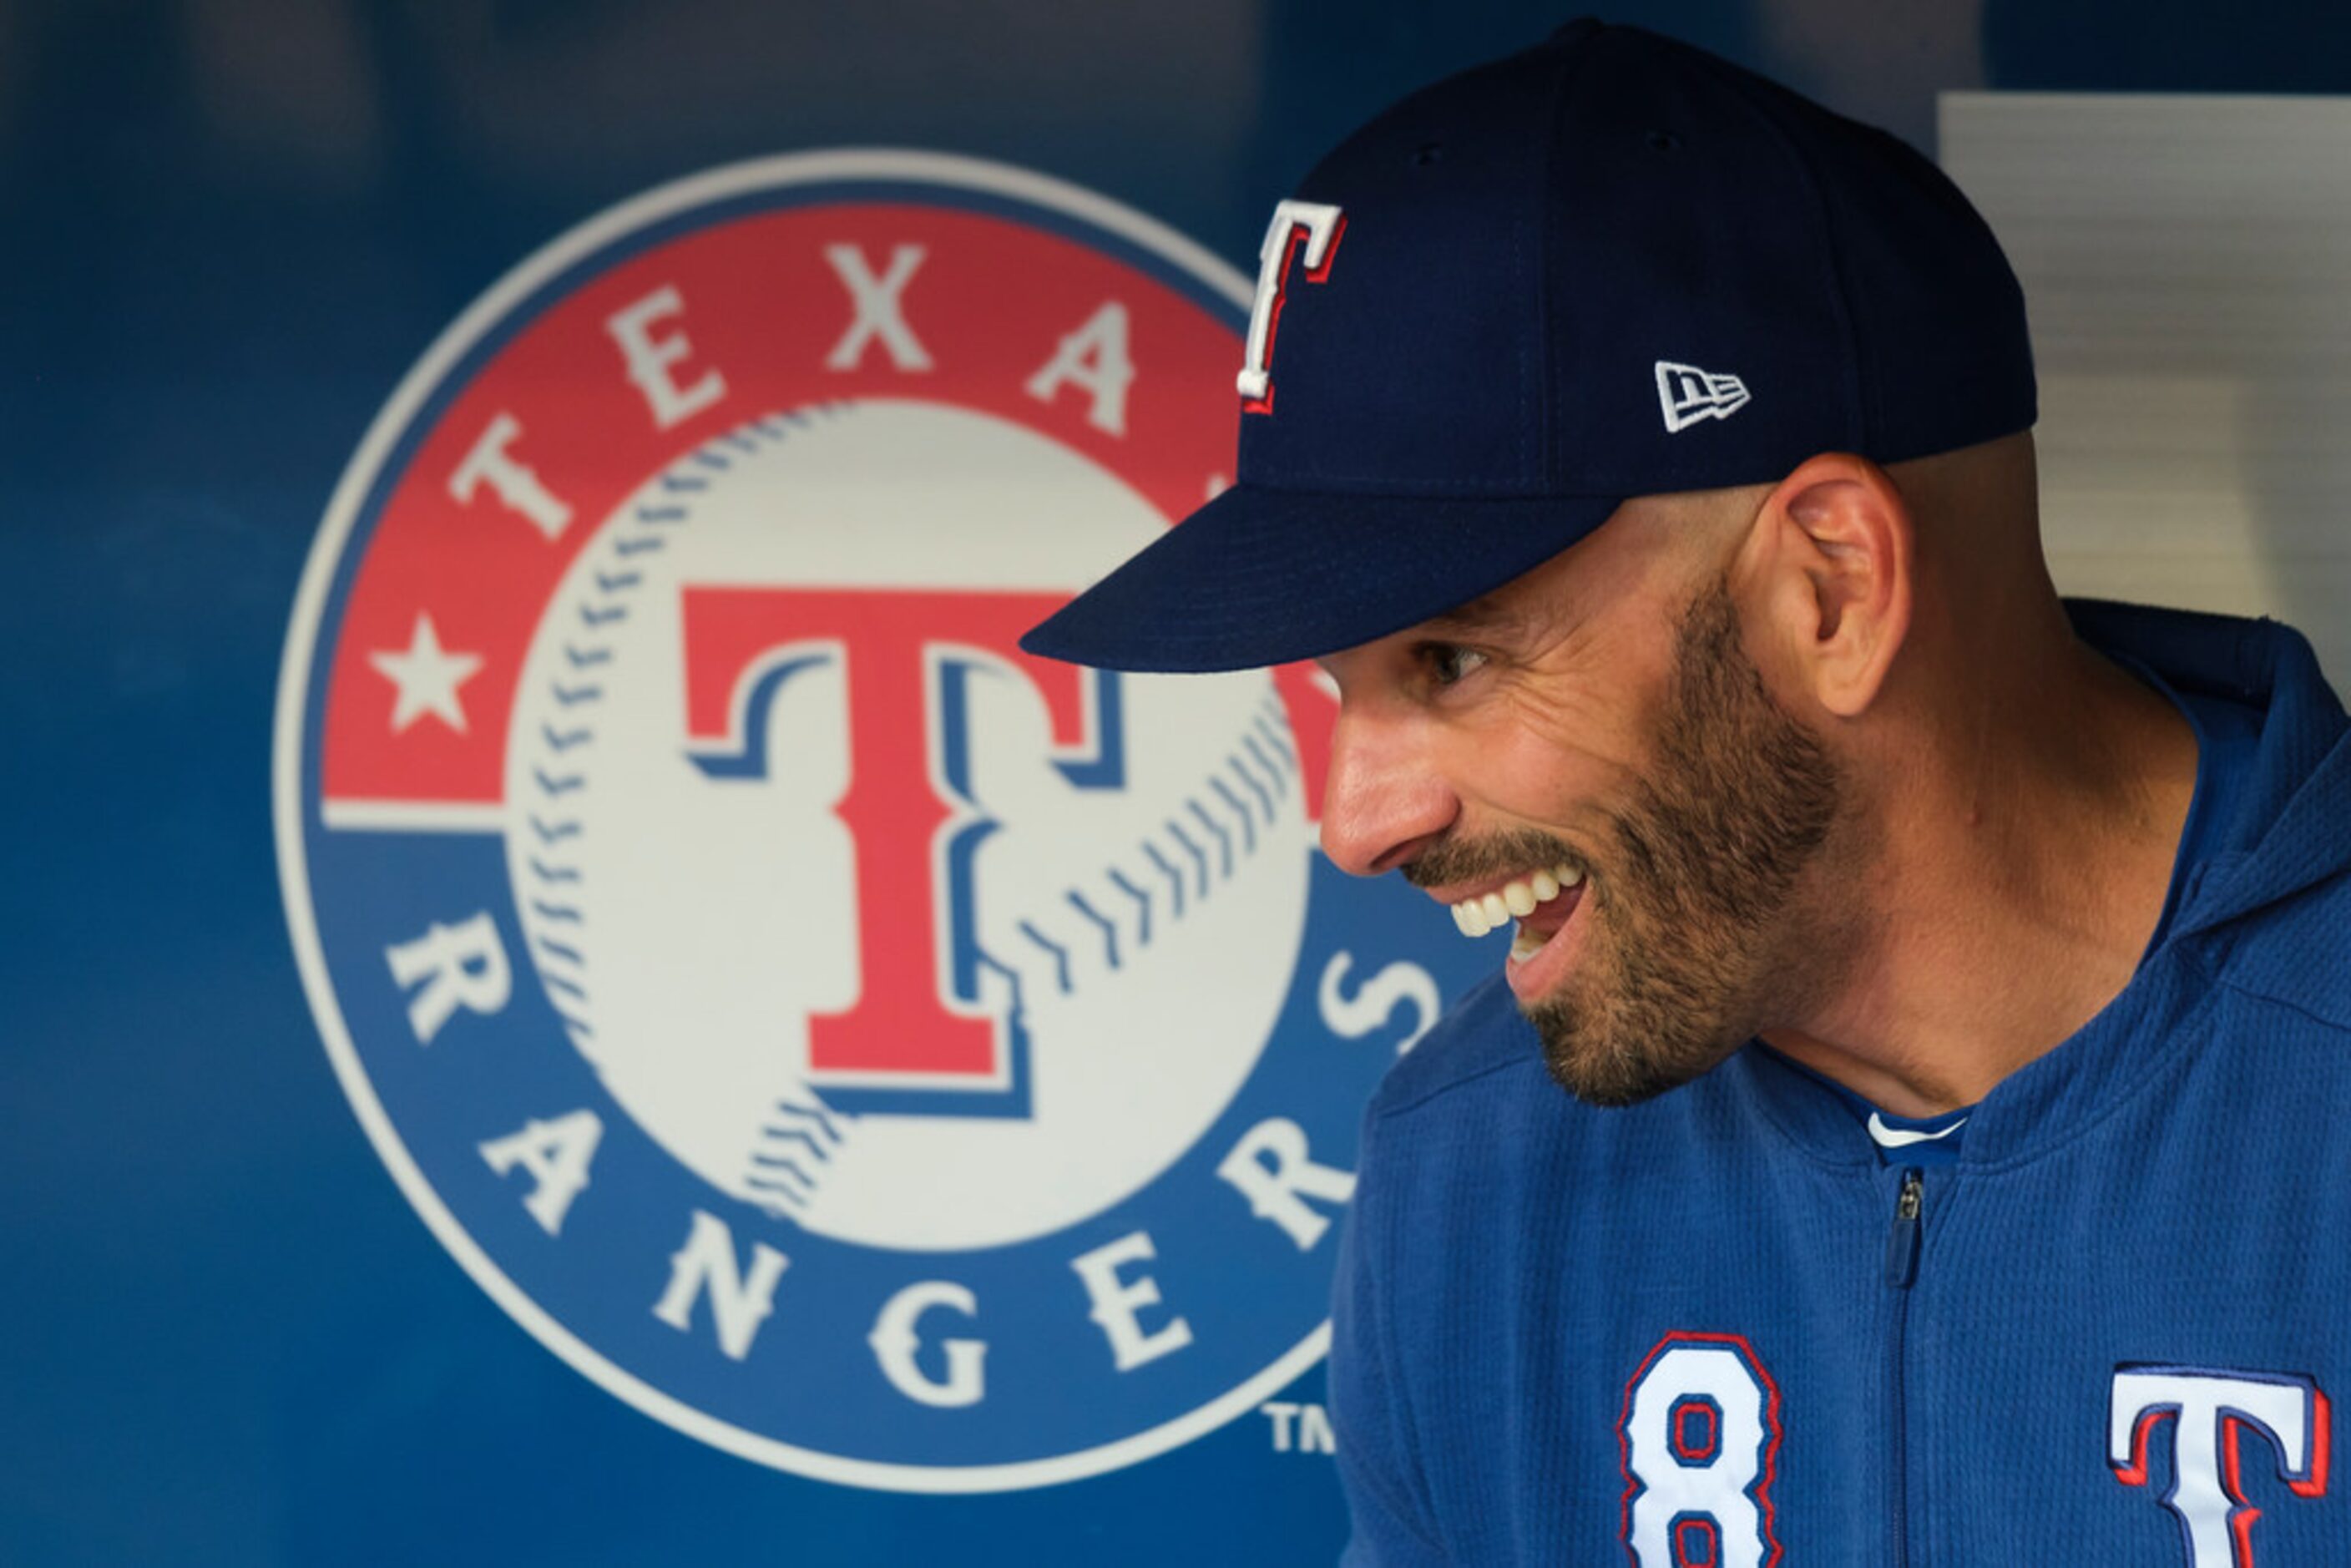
x=1714 y=1329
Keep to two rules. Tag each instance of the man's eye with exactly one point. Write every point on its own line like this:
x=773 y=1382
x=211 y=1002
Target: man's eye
x=1447 y=663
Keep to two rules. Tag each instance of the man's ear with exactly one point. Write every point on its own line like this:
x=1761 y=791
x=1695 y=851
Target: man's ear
x=1833 y=551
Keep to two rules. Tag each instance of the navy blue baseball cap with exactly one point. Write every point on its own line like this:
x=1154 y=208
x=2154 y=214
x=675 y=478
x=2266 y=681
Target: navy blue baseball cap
x=1610 y=265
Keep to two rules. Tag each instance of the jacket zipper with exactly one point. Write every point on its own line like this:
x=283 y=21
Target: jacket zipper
x=1901 y=1269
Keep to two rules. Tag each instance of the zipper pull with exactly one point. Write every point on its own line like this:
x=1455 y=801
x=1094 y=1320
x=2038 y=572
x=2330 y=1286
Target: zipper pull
x=1902 y=1241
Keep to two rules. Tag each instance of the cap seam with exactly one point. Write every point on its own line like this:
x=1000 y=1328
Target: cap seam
x=1377 y=485
x=1547 y=390
x=1390 y=491
x=1858 y=388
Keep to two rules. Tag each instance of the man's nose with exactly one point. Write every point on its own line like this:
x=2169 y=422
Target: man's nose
x=1382 y=801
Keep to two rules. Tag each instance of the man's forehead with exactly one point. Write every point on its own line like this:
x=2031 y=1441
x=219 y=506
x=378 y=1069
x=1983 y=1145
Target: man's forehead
x=1491 y=611
x=1504 y=603
x=1533 y=597
x=1585 y=568
x=1489 y=614
x=1644 y=536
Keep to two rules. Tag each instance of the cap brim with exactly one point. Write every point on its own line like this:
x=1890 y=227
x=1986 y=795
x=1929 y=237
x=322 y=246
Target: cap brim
x=1260 y=577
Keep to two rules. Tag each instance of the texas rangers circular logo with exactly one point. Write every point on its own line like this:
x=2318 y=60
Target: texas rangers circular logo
x=862 y=1046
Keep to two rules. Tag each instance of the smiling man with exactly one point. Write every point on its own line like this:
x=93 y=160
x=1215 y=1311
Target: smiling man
x=1951 y=987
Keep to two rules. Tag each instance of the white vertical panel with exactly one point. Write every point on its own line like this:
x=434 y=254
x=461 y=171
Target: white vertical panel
x=2186 y=267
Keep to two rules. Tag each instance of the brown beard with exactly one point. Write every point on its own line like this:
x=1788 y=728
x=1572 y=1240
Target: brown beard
x=1702 y=908
x=1698 y=888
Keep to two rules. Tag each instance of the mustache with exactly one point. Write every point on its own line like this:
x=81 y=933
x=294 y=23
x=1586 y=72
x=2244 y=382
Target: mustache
x=1452 y=858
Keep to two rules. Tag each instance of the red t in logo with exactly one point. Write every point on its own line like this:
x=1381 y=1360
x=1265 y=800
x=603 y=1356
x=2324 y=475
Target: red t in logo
x=905 y=657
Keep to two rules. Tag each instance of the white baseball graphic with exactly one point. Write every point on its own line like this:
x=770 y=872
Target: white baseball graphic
x=688 y=928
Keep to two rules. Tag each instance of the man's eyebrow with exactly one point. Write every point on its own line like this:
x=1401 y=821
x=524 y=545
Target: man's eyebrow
x=1484 y=613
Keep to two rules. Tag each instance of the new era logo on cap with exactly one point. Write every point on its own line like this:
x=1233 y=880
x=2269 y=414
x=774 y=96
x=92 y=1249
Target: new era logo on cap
x=1688 y=395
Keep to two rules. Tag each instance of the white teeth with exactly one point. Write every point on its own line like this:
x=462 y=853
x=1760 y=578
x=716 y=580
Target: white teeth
x=1518 y=899
x=1525 y=945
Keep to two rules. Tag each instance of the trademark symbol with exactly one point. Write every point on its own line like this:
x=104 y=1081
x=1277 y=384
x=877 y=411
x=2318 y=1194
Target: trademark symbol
x=1299 y=1428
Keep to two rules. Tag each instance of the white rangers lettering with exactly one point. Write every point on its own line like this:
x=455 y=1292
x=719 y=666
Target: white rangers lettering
x=516 y=487
x=1095 y=357
x=879 y=313
x=2209 y=1412
x=895 y=1338
x=460 y=966
x=1375 y=1000
x=739 y=1303
x=1117 y=1302
x=1699 y=1437
x=1274 y=1190
x=649 y=359
x=556 y=1154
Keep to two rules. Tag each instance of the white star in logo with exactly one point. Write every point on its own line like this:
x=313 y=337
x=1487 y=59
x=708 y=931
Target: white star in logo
x=428 y=678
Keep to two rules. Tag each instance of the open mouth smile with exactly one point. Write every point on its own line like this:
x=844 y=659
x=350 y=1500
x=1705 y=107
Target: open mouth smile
x=1520 y=899
x=1540 y=903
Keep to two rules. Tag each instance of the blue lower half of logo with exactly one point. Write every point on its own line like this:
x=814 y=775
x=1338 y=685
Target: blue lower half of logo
x=1204 y=1289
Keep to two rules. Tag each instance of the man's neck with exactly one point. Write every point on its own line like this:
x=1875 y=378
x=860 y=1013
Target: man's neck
x=2019 y=867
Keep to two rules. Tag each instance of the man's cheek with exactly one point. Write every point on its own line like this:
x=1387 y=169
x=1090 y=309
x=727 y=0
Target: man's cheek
x=1565 y=792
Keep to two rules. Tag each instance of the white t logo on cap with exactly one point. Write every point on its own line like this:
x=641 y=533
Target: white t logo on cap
x=1318 y=228
x=1688 y=395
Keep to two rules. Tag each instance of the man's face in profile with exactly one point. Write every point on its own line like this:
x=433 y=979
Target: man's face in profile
x=1600 y=713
